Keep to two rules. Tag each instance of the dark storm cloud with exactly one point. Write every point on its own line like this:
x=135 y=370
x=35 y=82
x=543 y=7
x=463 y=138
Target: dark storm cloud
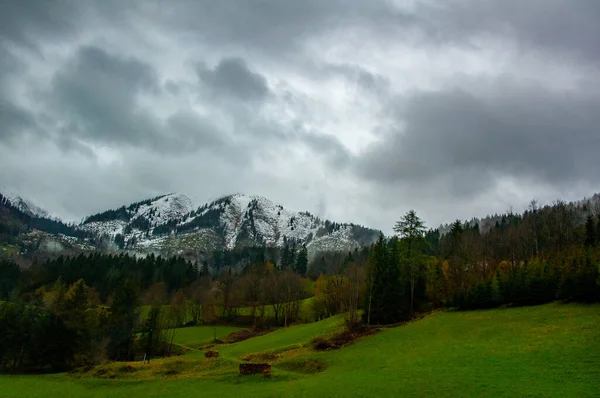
x=165 y=93
x=278 y=27
x=98 y=93
x=233 y=77
x=15 y=120
x=569 y=27
x=195 y=131
x=472 y=138
x=25 y=22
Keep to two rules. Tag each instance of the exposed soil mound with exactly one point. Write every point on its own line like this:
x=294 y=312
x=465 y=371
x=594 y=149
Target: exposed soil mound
x=255 y=368
x=244 y=334
x=344 y=338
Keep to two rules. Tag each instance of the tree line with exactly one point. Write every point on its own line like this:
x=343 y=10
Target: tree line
x=114 y=307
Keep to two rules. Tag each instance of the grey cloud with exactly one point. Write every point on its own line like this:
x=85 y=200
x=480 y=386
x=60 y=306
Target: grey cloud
x=24 y=22
x=192 y=130
x=232 y=77
x=471 y=139
x=328 y=146
x=279 y=27
x=15 y=121
x=565 y=26
x=172 y=87
x=455 y=141
x=98 y=91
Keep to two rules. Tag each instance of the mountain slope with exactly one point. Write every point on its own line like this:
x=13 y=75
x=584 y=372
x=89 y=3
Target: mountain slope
x=172 y=224
x=23 y=205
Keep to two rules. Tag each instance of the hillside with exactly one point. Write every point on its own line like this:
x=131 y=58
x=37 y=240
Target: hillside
x=25 y=227
x=548 y=351
x=581 y=208
x=172 y=223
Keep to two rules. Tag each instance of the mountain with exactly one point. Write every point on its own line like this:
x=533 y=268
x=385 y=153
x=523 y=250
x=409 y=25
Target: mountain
x=23 y=205
x=172 y=224
x=25 y=227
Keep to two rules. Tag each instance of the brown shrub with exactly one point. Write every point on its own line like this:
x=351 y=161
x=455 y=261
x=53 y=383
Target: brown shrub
x=127 y=369
x=240 y=335
x=244 y=334
x=264 y=356
x=343 y=338
x=211 y=354
x=321 y=343
x=255 y=368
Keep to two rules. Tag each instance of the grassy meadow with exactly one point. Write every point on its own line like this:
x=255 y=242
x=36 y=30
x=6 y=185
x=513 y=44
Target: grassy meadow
x=551 y=350
x=197 y=336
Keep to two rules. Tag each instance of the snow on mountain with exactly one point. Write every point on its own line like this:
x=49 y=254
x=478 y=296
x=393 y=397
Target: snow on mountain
x=139 y=218
x=166 y=208
x=22 y=204
x=172 y=223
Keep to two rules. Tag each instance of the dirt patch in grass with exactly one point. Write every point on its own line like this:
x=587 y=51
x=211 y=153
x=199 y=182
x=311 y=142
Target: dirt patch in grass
x=303 y=366
x=343 y=338
x=244 y=334
x=262 y=356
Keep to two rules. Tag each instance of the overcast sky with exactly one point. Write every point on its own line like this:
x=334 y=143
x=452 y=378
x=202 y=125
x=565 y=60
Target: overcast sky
x=354 y=110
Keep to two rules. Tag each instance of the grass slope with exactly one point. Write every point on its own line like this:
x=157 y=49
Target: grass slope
x=197 y=336
x=545 y=351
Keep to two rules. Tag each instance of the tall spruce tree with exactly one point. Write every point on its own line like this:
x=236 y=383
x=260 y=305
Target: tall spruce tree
x=590 y=231
x=376 y=281
x=598 y=231
x=412 y=230
x=302 y=261
x=385 y=302
x=395 y=285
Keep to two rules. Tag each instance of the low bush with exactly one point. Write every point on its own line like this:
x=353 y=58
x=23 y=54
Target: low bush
x=343 y=338
x=244 y=334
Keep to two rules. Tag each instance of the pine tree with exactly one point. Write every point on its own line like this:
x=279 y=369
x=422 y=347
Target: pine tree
x=376 y=281
x=412 y=229
x=394 y=286
x=302 y=261
x=285 y=255
x=590 y=231
x=385 y=299
x=598 y=230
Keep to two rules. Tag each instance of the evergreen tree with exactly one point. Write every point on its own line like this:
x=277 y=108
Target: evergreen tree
x=285 y=255
x=598 y=230
x=302 y=261
x=412 y=229
x=376 y=281
x=385 y=302
x=590 y=231
x=123 y=318
x=394 y=286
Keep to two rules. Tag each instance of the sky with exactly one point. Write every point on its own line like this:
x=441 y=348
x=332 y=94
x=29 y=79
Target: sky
x=356 y=111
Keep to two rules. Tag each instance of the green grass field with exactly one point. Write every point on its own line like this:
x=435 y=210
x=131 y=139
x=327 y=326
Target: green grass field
x=546 y=351
x=197 y=336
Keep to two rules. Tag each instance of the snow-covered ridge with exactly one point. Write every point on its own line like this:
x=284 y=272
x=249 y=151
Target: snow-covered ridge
x=232 y=221
x=22 y=204
x=174 y=224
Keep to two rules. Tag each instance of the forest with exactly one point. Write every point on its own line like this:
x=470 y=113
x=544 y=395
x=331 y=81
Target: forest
x=70 y=312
